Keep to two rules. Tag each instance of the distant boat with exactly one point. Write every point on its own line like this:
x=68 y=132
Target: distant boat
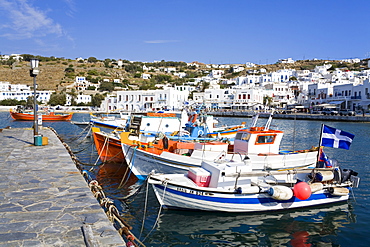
x=81 y=124
x=46 y=116
x=111 y=122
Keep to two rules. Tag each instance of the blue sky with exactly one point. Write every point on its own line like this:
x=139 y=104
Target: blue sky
x=228 y=31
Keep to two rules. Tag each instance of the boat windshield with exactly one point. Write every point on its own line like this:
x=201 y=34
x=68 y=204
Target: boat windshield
x=243 y=136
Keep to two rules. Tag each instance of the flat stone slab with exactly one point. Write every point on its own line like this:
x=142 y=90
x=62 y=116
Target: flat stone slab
x=45 y=201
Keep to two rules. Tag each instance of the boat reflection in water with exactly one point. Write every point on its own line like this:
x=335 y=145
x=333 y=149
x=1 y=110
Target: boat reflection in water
x=307 y=227
x=115 y=175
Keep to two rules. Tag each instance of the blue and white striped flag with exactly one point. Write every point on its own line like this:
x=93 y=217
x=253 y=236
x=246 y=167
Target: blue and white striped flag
x=335 y=138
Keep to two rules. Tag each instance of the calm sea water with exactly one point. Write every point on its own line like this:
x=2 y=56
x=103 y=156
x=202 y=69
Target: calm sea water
x=343 y=224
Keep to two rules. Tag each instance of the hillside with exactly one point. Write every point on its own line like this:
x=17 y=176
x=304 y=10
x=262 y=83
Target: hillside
x=55 y=75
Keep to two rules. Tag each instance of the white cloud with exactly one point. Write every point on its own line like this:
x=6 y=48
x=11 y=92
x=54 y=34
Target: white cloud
x=71 y=7
x=26 y=21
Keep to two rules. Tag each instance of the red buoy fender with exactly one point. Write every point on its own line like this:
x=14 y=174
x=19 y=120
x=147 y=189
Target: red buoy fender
x=302 y=190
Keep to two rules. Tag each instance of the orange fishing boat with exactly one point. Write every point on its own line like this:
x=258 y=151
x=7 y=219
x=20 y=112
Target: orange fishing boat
x=108 y=146
x=46 y=116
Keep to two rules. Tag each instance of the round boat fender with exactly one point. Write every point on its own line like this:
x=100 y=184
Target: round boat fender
x=165 y=142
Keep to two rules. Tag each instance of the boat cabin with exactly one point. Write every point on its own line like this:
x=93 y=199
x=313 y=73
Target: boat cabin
x=258 y=140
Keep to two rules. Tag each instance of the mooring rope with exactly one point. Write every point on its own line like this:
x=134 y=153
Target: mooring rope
x=159 y=211
x=132 y=165
x=145 y=207
x=112 y=211
x=80 y=134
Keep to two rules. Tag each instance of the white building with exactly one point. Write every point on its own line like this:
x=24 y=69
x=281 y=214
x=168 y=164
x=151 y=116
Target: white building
x=109 y=103
x=22 y=92
x=148 y=100
x=81 y=84
x=237 y=68
x=216 y=73
x=145 y=76
x=14 y=56
x=43 y=96
x=281 y=94
x=286 y=60
x=81 y=98
x=7 y=86
x=250 y=65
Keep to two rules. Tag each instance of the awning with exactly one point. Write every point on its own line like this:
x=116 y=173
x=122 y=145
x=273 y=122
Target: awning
x=336 y=102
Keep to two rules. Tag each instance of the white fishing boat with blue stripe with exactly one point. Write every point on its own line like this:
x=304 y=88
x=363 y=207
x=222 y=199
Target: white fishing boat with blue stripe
x=234 y=187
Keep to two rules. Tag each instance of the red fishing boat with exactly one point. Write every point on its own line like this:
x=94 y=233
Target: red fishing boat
x=46 y=116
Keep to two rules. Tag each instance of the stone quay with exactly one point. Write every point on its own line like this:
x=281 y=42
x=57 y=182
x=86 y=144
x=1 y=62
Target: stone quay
x=44 y=199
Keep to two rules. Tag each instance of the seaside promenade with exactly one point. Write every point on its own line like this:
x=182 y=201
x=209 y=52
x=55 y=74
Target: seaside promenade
x=44 y=200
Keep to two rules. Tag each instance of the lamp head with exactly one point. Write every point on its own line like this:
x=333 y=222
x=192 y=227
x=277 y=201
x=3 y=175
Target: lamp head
x=34 y=71
x=34 y=63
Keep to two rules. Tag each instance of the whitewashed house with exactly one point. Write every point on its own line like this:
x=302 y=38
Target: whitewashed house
x=216 y=73
x=237 y=69
x=145 y=76
x=148 y=100
x=286 y=60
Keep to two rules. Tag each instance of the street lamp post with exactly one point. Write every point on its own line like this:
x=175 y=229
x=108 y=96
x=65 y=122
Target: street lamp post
x=34 y=71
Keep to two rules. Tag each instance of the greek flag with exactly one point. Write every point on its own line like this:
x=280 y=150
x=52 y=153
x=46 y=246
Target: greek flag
x=335 y=138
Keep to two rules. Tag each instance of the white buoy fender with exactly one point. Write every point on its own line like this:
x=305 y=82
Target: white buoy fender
x=280 y=192
x=316 y=187
x=324 y=176
x=339 y=191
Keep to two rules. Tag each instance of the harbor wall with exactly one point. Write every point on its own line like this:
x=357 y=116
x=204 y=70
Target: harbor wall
x=298 y=116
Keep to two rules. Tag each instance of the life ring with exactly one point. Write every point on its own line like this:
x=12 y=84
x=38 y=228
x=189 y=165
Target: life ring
x=200 y=132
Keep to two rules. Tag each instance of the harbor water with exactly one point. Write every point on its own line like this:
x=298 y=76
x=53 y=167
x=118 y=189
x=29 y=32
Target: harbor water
x=344 y=224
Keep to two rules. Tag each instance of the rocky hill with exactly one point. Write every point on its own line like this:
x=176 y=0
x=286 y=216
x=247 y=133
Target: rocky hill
x=55 y=75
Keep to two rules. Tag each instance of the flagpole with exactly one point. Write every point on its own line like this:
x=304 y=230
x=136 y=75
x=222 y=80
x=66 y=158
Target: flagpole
x=320 y=139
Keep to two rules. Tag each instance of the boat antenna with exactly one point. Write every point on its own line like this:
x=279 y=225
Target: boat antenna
x=318 y=151
x=295 y=118
x=268 y=123
x=254 y=120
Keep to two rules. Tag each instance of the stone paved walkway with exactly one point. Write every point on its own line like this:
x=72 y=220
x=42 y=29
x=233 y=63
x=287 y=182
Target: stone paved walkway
x=44 y=200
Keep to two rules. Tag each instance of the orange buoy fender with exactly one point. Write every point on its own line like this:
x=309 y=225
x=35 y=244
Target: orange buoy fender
x=280 y=192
